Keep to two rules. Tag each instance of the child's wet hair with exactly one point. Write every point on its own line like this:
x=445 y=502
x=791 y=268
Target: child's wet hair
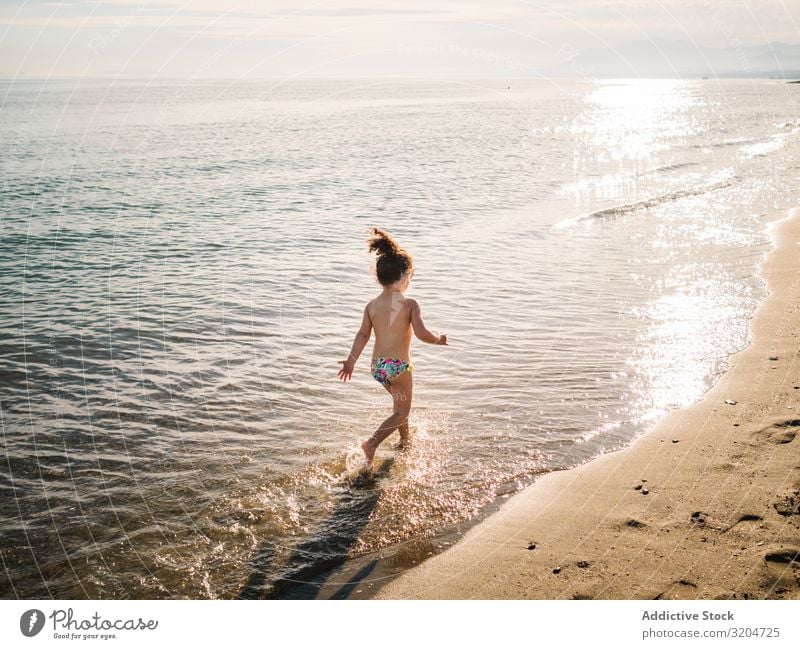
x=392 y=261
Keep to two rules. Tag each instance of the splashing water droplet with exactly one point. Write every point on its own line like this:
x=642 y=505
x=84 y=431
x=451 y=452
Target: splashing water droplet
x=354 y=460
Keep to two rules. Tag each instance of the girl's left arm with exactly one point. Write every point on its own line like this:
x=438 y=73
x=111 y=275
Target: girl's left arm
x=360 y=341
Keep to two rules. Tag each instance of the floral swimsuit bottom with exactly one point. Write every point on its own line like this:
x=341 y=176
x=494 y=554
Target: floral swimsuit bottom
x=385 y=370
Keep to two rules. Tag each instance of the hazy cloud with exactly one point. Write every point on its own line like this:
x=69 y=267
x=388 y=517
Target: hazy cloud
x=366 y=37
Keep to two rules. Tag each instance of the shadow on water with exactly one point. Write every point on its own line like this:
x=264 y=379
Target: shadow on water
x=328 y=547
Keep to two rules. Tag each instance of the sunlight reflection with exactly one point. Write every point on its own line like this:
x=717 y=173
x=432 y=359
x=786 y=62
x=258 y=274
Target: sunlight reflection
x=688 y=328
x=635 y=118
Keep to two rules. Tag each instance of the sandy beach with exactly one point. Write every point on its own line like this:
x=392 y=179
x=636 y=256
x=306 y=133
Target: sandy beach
x=706 y=505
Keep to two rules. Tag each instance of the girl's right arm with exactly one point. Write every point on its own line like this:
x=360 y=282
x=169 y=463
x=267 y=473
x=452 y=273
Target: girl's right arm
x=420 y=330
x=360 y=341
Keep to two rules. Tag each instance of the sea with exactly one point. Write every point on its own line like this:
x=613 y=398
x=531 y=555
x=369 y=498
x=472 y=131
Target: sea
x=183 y=264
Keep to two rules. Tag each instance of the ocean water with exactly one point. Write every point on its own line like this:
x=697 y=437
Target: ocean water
x=183 y=264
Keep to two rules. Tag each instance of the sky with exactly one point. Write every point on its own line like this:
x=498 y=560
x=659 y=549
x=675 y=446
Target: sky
x=355 y=38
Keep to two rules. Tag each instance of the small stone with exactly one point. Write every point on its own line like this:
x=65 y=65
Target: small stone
x=645 y=491
x=699 y=518
x=556 y=570
x=674 y=441
x=736 y=424
x=642 y=480
x=583 y=564
x=773 y=358
x=730 y=402
x=789 y=506
x=531 y=546
x=637 y=487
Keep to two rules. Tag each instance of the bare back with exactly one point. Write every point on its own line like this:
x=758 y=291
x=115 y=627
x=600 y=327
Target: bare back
x=390 y=314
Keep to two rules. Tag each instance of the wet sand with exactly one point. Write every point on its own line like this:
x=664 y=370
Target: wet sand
x=706 y=505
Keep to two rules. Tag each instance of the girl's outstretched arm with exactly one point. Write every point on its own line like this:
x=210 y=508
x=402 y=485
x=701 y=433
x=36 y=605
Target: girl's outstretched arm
x=360 y=341
x=420 y=330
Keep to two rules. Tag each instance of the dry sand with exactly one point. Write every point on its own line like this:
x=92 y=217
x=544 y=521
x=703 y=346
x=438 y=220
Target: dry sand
x=718 y=515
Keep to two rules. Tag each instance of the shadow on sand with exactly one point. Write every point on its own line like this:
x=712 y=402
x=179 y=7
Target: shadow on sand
x=328 y=547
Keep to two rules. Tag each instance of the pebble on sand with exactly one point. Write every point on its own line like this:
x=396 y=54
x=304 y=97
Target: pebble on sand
x=645 y=491
x=699 y=518
x=556 y=570
x=730 y=402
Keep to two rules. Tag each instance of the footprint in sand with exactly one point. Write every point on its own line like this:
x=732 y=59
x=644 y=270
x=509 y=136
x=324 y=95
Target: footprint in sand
x=744 y=518
x=679 y=589
x=781 y=572
x=632 y=522
x=780 y=431
x=791 y=555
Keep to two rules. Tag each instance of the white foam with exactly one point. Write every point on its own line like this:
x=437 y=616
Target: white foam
x=725 y=178
x=763 y=148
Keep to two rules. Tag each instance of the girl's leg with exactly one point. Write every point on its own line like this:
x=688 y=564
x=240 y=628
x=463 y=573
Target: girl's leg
x=400 y=389
x=405 y=437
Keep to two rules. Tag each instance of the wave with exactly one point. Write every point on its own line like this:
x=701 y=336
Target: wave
x=762 y=145
x=765 y=147
x=653 y=201
x=672 y=167
x=793 y=124
x=735 y=141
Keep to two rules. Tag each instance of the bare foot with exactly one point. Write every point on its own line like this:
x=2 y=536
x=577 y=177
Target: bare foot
x=369 y=452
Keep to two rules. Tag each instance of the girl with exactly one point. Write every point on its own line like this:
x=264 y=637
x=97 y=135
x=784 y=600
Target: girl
x=393 y=316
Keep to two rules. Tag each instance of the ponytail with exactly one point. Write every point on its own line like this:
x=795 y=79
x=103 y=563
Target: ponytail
x=392 y=260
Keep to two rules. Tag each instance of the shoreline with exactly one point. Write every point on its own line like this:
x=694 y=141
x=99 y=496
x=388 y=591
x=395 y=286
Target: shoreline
x=716 y=514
